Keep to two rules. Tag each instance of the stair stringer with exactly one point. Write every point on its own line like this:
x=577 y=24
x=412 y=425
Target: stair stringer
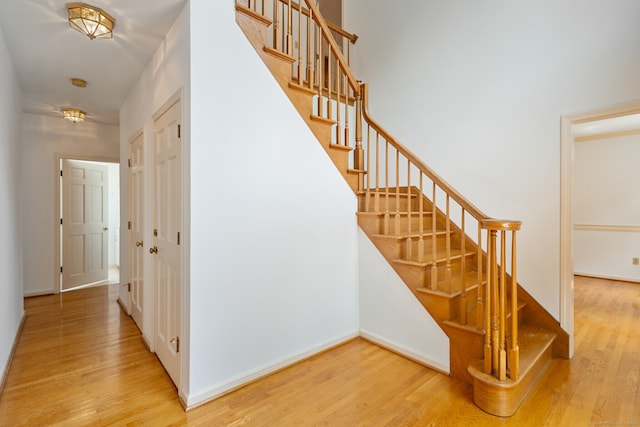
x=254 y=26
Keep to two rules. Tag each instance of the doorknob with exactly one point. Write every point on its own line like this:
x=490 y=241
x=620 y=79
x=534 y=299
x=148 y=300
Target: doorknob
x=153 y=250
x=138 y=244
x=105 y=228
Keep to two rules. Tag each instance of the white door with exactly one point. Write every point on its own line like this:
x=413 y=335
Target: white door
x=136 y=227
x=84 y=223
x=166 y=249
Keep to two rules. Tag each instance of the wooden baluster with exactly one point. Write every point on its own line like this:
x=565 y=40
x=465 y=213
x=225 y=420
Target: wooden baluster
x=495 y=309
x=263 y=7
x=434 y=252
x=447 y=270
x=310 y=51
x=299 y=42
x=421 y=224
x=386 y=188
x=514 y=352
x=276 y=24
x=347 y=141
x=368 y=164
x=328 y=77
x=480 y=306
x=409 y=241
x=338 y=129
x=320 y=73
x=463 y=271
x=358 y=154
x=377 y=194
x=289 y=39
x=397 y=216
x=502 y=369
x=488 y=352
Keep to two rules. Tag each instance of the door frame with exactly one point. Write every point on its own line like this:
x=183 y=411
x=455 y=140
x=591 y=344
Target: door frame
x=57 y=206
x=566 y=199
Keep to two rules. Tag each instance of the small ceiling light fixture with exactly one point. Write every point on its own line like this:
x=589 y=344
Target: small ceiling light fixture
x=74 y=115
x=78 y=82
x=90 y=20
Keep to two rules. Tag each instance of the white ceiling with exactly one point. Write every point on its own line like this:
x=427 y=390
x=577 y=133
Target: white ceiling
x=47 y=53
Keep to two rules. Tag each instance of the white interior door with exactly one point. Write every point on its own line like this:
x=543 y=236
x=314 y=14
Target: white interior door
x=84 y=223
x=166 y=249
x=136 y=229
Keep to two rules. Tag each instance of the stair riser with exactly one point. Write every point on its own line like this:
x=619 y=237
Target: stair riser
x=395 y=203
x=410 y=248
x=418 y=276
x=399 y=225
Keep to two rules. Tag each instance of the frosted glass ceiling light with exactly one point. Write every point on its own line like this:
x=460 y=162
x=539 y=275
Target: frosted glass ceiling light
x=74 y=115
x=90 y=20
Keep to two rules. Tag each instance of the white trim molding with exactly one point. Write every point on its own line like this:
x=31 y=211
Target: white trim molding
x=598 y=227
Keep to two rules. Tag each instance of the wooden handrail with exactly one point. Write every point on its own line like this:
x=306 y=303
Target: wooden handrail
x=344 y=33
x=459 y=198
x=344 y=66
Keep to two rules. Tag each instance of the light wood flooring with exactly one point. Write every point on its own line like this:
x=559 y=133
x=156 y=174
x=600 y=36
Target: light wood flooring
x=80 y=361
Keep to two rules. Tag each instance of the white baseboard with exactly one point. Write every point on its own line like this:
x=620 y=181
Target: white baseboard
x=37 y=294
x=200 y=398
x=403 y=351
x=5 y=370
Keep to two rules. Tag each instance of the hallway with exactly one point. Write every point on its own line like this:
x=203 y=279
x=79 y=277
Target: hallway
x=81 y=361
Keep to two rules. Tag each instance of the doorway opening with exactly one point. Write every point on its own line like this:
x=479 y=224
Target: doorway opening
x=88 y=237
x=567 y=143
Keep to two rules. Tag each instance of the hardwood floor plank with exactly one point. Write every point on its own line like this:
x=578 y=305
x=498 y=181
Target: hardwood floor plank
x=80 y=361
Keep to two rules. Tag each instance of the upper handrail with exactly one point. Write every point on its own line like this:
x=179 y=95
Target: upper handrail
x=342 y=62
x=459 y=198
x=344 y=33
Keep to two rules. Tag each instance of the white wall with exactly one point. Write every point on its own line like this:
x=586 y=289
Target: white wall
x=43 y=138
x=166 y=74
x=274 y=267
x=392 y=316
x=606 y=185
x=11 y=303
x=477 y=89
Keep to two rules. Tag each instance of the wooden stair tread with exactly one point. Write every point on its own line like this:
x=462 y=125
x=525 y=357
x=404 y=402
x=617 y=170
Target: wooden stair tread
x=456 y=323
x=304 y=89
x=401 y=213
x=252 y=14
x=278 y=54
x=407 y=235
x=340 y=147
x=321 y=119
x=356 y=171
x=470 y=281
x=455 y=255
x=392 y=192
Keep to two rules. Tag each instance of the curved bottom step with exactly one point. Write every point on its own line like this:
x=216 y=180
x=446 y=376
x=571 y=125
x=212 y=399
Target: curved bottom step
x=503 y=398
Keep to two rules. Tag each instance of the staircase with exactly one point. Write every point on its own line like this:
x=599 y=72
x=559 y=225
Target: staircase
x=458 y=262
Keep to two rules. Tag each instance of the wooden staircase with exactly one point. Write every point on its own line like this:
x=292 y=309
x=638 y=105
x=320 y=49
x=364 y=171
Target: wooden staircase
x=501 y=339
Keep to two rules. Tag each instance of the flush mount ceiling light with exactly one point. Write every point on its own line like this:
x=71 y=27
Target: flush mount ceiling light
x=78 y=82
x=74 y=115
x=90 y=20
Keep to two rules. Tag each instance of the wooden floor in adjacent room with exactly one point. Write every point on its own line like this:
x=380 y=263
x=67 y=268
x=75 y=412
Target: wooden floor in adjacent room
x=81 y=361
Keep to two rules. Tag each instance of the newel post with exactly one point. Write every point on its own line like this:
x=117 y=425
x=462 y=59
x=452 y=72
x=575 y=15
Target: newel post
x=498 y=359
